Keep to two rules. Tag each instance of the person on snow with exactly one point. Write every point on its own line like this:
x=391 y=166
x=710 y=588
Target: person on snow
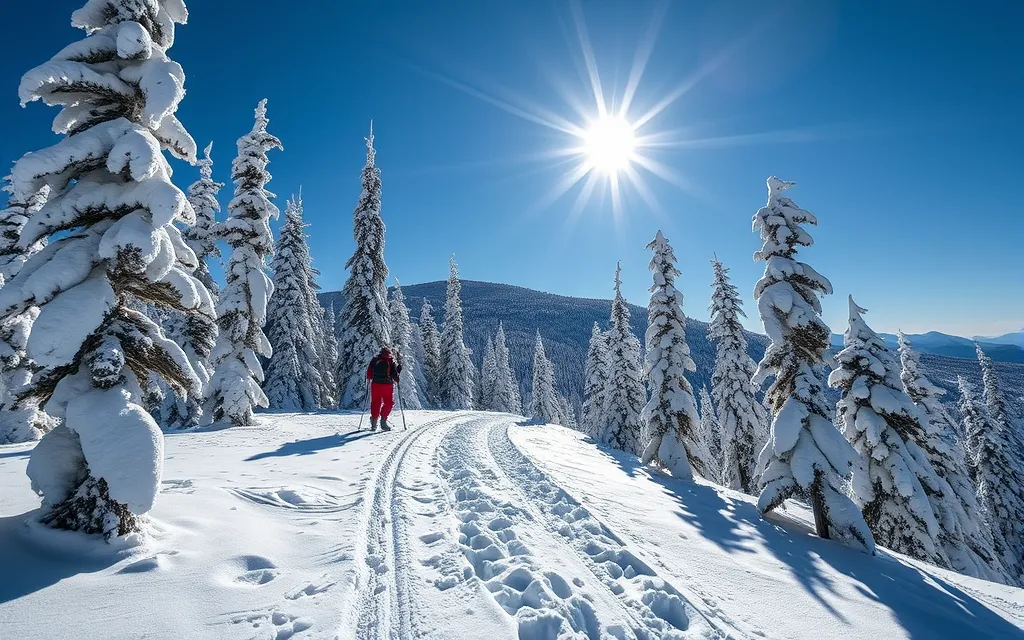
x=383 y=374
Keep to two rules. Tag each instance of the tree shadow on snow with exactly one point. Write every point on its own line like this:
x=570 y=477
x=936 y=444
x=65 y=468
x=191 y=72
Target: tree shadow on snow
x=15 y=454
x=926 y=606
x=28 y=568
x=311 y=446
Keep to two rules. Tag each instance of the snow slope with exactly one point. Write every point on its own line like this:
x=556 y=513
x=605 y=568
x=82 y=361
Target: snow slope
x=468 y=525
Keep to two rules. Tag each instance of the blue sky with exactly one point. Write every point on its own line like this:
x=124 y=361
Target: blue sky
x=900 y=123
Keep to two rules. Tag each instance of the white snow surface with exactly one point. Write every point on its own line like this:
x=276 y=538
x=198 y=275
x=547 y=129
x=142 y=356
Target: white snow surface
x=466 y=526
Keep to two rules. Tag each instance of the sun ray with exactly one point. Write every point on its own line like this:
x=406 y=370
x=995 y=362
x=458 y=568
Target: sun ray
x=565 y=126
x=643 y=55
x=588 y=56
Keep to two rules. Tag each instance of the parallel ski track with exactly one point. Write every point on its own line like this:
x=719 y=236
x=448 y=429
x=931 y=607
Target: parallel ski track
x=383 y=607
x=537 y=488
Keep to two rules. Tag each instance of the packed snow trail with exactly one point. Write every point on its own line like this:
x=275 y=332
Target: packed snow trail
x=498 y=526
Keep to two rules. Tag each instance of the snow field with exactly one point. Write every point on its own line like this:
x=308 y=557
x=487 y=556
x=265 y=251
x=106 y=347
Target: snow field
x=466 y=526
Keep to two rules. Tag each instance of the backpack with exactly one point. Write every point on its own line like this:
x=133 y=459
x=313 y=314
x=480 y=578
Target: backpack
x=382 y=371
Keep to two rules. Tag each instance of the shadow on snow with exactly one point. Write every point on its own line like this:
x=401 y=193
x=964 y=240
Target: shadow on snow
x=311 y=446
x=28 y=567
x=925 y=605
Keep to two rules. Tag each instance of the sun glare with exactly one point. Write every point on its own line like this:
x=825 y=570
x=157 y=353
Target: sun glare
x=609 y=143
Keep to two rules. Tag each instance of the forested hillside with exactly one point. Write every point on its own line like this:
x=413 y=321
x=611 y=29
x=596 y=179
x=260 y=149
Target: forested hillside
x=565 y=324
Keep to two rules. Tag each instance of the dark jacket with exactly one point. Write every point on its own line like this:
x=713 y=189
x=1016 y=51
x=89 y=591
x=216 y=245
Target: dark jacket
x=392 y=374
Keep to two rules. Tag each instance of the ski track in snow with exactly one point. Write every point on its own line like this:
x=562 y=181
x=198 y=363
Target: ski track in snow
x=382 y=602
x=546 y=560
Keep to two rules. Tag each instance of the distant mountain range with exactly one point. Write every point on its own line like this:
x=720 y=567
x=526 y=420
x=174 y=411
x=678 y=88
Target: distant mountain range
x=1015 y=338
x=566 y=322
x=1007 y=348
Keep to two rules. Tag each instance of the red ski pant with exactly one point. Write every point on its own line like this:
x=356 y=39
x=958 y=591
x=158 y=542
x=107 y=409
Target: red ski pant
x=382 y=400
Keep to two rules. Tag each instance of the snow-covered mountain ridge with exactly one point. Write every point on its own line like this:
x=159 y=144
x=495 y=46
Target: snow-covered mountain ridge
x=565 y=323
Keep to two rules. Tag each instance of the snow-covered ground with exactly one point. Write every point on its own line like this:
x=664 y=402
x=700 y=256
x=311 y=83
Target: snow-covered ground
x=466 y=526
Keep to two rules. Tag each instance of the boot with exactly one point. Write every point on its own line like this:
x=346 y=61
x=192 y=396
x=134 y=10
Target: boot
x=373 y=424
x=384 y=425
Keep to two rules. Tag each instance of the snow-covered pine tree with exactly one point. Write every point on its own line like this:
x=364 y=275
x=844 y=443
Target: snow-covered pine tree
x=401 y=334
x=488 y=377
x=293 y=379
x=506 y=387
x=456 y=375
x=202 y=236
x=742 y=419
x=671 y=434
x=432 y=363
x=325 y=342
x=109 y=219
x=196 y=339
x=995 y=401
x=17 y=424
x=326 y=352
x=710 y=437
x=999 y=477
x=234 y=390
x=544 y=403
x=964 y=537
x=595 y=383
x=330 y=355
x=805 y=454
x=881 y=422
x=623 y=423
x=567 y=412
x=364 y=320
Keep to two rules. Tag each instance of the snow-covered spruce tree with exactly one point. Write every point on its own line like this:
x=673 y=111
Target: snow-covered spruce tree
x=742 y=419
x=110 y=220
x=995 y=401
x=488 y=377
x=323 y=333
x=710 y=437
x=456 y=375
x=964 y=536
x=805 y=454
x=506 y=387
x=202 y=236
x=881 y=422
x=196 y=338
x=326 y=345
x=432 y=363
x=671 y=426
x=17 y=424
x=544 y=403
x=330 y=354
x=234 y=390
x=401 y=334
x=999 y=477
x=568 y=414
x=624 y=392
x=293 y=379
x=364 y=320
x=595 y=383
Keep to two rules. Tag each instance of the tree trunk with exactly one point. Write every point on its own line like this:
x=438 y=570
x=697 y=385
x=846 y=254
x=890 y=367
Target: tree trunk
x=818 y=507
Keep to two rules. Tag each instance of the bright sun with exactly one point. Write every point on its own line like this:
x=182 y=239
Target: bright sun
x=609 y=143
